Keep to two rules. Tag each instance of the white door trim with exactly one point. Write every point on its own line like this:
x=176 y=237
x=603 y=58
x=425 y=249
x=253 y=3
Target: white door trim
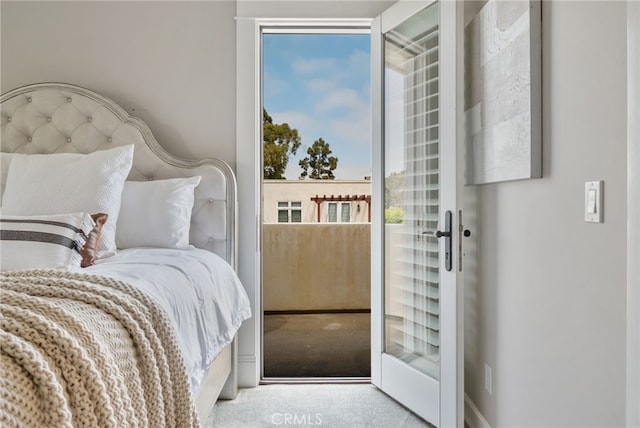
x=247 y=163
x=377 y=205
x=452 y=329
x=249 y=178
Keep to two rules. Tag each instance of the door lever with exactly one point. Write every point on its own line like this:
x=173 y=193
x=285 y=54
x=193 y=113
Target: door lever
x=440 y=234
x=447 y=241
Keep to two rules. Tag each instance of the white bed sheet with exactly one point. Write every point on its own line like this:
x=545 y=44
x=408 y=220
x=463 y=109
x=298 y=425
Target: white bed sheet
x=199 y=290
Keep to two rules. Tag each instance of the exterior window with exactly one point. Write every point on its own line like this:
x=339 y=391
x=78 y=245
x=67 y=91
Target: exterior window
x=332 y=216
x=283 y=216
x=345 y=212
x=289 y=212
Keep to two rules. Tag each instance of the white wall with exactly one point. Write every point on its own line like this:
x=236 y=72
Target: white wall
x=173 y=62
x=550 y=302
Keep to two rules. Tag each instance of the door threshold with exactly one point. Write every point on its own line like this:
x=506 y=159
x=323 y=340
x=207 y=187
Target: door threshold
x=313 y=380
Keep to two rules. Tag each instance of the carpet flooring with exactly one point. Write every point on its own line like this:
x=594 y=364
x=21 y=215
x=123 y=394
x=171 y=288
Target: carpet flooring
x=317 y=345
x=326 y=405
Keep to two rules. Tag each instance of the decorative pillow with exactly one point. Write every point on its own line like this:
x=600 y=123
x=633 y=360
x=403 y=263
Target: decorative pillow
x=90 y=249
x=69 y=182
x=156 y=213
x=38 y=242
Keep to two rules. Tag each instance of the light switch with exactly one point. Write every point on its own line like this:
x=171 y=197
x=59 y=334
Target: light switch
x=593 y=201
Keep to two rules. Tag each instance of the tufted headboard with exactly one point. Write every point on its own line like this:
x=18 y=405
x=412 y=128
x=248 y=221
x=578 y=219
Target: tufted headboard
x=57 y=117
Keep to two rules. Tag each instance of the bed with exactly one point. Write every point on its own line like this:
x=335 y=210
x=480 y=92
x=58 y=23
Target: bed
x=135 y=319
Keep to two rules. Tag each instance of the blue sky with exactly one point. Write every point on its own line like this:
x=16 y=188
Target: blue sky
x=320 y=85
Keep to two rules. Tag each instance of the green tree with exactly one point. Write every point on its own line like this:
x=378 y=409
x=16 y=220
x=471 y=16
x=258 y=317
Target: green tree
x=279 y=140
x=394 y=215
x=393 y=186
x=393 y=198
x=319 y=161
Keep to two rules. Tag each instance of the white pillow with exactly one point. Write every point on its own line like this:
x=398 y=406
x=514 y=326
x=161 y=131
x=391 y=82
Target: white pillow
x=69 y=182
x=156 y=213
x=39 y=242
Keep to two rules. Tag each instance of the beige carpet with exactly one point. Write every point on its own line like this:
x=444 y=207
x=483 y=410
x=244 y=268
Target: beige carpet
x=326 y=405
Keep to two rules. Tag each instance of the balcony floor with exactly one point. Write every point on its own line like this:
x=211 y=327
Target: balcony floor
x=317 y=345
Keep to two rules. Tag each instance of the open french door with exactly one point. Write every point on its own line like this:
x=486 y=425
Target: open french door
x=416 y=290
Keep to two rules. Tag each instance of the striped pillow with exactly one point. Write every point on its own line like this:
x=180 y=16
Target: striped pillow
x=46 y=241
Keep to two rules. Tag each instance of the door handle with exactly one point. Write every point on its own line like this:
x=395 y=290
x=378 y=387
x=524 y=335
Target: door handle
x=436 y=233
x=447 y=240
x=440 y=234
x=446 y=233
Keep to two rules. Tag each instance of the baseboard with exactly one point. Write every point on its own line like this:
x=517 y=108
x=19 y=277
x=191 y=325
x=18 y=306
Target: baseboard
x=248 y=373
x=472 y=416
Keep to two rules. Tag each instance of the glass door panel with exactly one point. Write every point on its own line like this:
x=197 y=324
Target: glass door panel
x=412 y=192
x=416 y=309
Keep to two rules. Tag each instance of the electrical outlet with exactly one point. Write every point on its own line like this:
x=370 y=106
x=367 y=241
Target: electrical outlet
x=488 y=382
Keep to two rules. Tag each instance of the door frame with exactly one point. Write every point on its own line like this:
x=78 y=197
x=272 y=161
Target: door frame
x=452 y=334
x=249 y=173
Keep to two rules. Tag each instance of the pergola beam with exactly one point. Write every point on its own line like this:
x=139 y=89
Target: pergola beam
x=347 y=198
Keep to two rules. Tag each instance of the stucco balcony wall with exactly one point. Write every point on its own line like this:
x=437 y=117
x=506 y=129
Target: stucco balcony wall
x=309 y=267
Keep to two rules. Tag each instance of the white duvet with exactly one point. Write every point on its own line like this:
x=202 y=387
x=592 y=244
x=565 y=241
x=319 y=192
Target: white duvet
x=199 y=290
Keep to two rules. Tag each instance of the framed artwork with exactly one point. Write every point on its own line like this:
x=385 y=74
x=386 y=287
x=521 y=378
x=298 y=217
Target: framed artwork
x=503 y=91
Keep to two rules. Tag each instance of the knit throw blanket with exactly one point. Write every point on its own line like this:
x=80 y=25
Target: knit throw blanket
x=79 y=350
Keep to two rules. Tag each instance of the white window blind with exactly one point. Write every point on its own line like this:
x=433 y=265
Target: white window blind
x=417 y=334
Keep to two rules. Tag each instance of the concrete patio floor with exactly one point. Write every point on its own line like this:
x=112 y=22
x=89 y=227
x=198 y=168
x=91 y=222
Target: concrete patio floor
x=317 y=345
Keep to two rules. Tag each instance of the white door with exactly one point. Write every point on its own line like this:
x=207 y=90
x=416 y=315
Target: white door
x=416 y=307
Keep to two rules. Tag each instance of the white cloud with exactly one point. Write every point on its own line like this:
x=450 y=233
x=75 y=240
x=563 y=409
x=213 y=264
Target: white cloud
x=340 y=98
x=322 y=85
x=312 y=65
x=343 y=113
x=347 y=114
x=356 y=130
x=295 y=119
x=274 y=85
x=359 y=63
x=339 y=112
x=356 y=171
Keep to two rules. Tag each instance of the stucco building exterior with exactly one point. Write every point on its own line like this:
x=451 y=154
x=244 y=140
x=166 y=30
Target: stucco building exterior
x=300 y=201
